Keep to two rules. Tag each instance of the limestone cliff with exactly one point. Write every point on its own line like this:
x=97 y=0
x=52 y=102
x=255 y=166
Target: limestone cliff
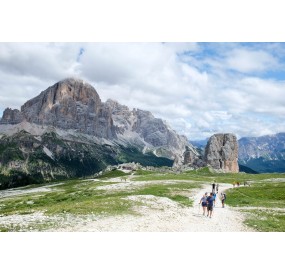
x=221 y=153
x=84 y=134
x=68 y=104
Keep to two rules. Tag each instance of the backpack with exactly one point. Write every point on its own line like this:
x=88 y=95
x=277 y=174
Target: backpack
x=225 y=196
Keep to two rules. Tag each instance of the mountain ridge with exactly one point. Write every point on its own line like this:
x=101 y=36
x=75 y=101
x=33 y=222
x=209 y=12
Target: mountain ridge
x=265 y=154
x=74 y=104
x=84 y=130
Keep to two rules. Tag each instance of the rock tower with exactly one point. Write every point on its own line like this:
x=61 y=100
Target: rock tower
x=221 y=153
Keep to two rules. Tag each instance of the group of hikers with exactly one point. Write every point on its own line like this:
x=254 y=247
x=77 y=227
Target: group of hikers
x=209 y=202
x=237 y=183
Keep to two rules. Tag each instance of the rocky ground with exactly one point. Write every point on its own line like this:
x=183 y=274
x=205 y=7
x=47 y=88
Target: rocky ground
x=164 y=215
x=154 y=214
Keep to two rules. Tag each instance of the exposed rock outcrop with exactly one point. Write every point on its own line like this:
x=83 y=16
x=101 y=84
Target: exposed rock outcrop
x=143 y=129
x=92 y=134
x=12 y=116
x=68 y=104
x=221 y=153
x=75 y=104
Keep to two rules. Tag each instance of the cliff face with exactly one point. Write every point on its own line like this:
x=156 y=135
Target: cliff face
x=74 y=104
x=12 y=116
x=143 y=129
x=222 y=152
x=68 y=131
x=71 y=104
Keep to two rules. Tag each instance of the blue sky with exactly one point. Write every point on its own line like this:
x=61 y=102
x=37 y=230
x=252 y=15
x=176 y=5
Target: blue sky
x=198 y=88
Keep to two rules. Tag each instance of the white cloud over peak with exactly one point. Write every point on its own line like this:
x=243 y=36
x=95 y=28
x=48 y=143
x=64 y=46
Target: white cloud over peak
x=198 y=88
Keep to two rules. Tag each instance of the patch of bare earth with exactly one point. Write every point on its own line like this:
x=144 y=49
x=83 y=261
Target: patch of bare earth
x=159 y=214
x=153 y=214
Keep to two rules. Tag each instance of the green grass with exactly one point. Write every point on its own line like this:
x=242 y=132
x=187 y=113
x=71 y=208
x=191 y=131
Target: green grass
x=81 y=197
x=178 y=192
x=112 y=174
x=143 y=172
x=204 y=174
x=266 y=221
x=261 y=194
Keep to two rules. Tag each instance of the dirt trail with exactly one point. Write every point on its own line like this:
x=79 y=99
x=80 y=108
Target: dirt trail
x=164 y=215
x=155 y=214
x=223 y=219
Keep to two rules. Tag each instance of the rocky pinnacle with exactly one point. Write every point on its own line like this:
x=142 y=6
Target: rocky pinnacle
x=221 y=153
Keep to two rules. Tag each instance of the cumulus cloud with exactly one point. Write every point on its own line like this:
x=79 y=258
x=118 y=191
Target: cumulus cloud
x=248 y=61
x=199 y=88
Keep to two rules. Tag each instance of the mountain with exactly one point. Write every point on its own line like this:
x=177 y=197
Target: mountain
x=67 y=131
x=199 y=143
x=265 y=154
x=221 y=152
x=246 y=169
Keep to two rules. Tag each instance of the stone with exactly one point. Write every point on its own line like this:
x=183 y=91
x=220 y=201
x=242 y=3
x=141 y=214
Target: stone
x=12 y=116
x=221 y=153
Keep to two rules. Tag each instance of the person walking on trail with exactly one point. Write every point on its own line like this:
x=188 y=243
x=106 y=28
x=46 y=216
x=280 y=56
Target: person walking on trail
x=214 y=196
x=210 y=202
x=217 y=188
x=213 y=186
x=204 y=203
x=223 y=198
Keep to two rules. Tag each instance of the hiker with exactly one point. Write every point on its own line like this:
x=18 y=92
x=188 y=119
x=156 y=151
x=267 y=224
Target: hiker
x=246 y=183
x=213 y=187
x=223 y=198
x=214 y=196
x=210 y=202
x=217 y=188
x=204 y=203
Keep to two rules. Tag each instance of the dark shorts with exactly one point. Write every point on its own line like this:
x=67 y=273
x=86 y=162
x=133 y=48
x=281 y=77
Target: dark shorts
x=210 y=207
x=204 y=204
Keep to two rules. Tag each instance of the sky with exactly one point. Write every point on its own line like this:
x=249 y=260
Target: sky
x=199 y=88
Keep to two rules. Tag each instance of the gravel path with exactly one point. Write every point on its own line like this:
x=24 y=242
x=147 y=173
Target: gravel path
x=159 y=214
x=155 y=214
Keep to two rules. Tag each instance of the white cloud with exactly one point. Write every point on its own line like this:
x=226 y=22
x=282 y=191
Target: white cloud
x=197 y=92
x=246 y=61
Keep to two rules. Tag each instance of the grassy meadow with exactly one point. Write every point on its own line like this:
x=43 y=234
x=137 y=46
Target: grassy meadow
x=263 y=202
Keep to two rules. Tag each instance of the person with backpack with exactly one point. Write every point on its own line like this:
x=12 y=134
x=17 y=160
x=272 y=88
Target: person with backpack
x=214 y=196
x=210 y=202
x=217 y=188
x=213 y=186
x=204 y=203
x=223 y=198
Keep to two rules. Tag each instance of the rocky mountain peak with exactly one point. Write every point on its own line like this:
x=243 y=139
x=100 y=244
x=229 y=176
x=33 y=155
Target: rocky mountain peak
x=63 y=92
x=222 y=152
x=74 y=104
x=68 y=104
